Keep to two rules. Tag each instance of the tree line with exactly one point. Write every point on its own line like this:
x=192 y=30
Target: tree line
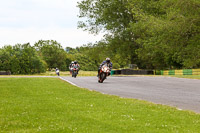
x=45 y=55
x=27 y=59
x=154 y=34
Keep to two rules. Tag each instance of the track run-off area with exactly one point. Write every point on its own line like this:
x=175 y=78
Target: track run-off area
x=181 y=93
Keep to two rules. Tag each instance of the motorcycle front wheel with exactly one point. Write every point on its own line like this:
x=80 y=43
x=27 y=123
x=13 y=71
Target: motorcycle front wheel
x=102 y=77
x=75 y=74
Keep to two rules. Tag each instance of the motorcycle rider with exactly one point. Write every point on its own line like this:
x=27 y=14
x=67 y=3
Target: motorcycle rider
x=57 y=71
x=109 y=64
x=75 y=65
x=70 y=67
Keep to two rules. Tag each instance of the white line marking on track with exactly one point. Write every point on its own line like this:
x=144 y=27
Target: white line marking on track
x=70 y=82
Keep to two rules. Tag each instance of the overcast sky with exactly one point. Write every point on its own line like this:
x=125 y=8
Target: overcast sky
x=23 y=21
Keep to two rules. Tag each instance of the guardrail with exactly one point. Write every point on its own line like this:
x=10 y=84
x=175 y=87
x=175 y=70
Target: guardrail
x=5 y=73
x=178 y=72
x=156 y=72
x=132 y=72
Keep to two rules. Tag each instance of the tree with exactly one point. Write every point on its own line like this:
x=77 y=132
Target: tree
x=154 y=34
x=52 y=53
x=114 y=17
x=5 y=58
x=21 y=59
x=165 y=30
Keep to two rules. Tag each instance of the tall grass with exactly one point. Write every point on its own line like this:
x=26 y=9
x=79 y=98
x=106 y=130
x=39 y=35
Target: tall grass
x=52 y=105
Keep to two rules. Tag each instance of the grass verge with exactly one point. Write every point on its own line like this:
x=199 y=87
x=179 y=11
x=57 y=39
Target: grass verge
x=62 y=73
x=52 y=105
x=67 y=73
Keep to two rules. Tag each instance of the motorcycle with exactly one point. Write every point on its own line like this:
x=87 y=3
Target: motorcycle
x=75 y=72
x=104 y=72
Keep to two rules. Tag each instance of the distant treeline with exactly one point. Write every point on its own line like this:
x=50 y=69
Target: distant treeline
x=27 y=59
x=46 y=55
x=154 y=34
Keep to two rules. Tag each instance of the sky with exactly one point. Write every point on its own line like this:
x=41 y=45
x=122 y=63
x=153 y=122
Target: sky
x=23 y=21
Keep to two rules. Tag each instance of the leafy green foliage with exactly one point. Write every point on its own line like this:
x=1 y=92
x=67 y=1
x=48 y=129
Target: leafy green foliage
x=52 y=53
x=155 y=34
x=21 y=59
x=113 y=17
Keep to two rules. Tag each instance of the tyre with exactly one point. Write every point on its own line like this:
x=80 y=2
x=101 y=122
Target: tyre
x=102 y=77
x=75 y=74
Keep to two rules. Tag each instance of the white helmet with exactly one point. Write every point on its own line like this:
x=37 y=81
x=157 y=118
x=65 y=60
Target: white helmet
x=108 y=60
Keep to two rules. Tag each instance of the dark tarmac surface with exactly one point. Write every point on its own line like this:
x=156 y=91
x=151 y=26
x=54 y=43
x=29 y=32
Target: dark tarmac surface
x=177 y=92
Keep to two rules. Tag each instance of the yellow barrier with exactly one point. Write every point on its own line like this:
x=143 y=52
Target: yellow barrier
x=166 y=72
x=178 y=72
x=195 y=71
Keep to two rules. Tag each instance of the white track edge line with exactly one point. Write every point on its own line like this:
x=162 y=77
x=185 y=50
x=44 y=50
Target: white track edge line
x=70 y=82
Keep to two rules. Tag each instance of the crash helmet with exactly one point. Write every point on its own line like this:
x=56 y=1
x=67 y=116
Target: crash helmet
x=75 y=62
x=108 y=60
x=72 y=62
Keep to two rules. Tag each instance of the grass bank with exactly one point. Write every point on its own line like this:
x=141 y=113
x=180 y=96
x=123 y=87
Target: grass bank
x=62 y=73
x=67 y=73
x=52 y=105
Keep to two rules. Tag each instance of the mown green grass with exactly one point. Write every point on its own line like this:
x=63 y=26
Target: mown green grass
x=67 y=73
x=62 y=73
x=52 y=105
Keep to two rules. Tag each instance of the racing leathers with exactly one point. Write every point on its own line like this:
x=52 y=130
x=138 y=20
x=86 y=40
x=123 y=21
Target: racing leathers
x=109 y=64
x=75 y=65
x=70 y=66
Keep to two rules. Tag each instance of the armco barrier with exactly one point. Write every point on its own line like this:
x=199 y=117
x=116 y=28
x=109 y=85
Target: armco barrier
x=112 y=72
x=132 y=72
x=5 y=73
x=195 y=71
x=187 y=71
x=179 y=72
x=171 y=72
x=117 y=71
x=161 y=72
x=166 y=72
x=156 y=72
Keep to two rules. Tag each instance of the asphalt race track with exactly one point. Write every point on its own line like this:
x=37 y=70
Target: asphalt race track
x=178 y=92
